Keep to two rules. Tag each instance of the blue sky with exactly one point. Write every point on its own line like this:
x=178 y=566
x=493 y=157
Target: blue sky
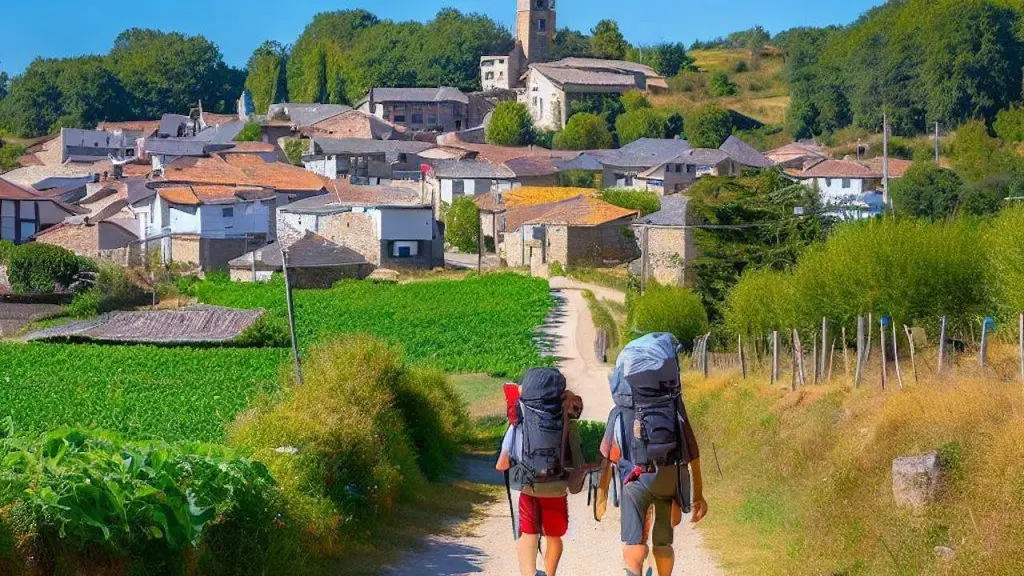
x=52 y=28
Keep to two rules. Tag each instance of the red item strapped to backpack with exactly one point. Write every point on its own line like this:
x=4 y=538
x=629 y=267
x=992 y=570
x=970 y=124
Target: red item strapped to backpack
x=511 y=400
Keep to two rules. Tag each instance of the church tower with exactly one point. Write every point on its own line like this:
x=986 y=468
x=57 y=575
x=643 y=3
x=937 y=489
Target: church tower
x=535 y=29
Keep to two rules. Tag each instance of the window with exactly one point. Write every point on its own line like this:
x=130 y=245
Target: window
x=387 y=112
x=542 y=24
x=828 y=182
x=399 y=117
x=432 y=119
x=691 y=169
x=227 y=212
x=679 y=168
x=405 y=249
x=540 y=4
x=489 y=76
x=458 y=188
x=130 y=152
x=417 y=118
x=847 y=183
x=8 y=227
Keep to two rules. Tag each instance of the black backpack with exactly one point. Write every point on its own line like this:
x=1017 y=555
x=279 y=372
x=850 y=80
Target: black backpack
x=543 y=426
x=656 y=435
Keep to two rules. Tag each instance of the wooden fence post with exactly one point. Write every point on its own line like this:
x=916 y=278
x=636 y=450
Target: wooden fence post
x=825 y=360
x=913 y=353
x=983 y=355
x=704 y=356
x=860 y=352
x=846 y=358
x=885 y=366
x=814 y=358
x=775 y=357
x=871 y=327
x=942 y=345
x=1021 y=329
x=831 y=358
x=743 y=360
x=896 y=353
x=798 y=353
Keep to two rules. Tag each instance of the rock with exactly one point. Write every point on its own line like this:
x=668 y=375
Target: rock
x=289 y=450
x=944 y=553
x=915 y=480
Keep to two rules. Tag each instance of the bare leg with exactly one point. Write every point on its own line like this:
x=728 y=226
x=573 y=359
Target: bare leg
x=634 y=557
x=552 y=554
x=664 y=559
x=526 y=549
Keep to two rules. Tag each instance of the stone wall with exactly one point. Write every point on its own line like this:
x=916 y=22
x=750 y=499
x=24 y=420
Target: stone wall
x=82 y=240
x=323 y=278
x=512 y=249
x=557 y=245
x=604 y=245
x=669 y=255
x=185 y=249
x=354 y=231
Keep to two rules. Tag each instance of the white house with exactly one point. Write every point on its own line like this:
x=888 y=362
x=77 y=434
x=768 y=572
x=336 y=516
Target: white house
x=852 y=188
x=23 y=213
x=450 y=179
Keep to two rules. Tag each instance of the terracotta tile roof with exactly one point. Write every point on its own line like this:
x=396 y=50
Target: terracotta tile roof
x=583 y=211
x=532 y=166
x=355 y=124
x=195 y=195
x=515 y=217
x=831 y=168
x=249 y=148
x=11 y=191
x=277 y=175
x=213 y=119
x=182 y=195
x=897 y=166
x=145 y=127
x=529 y=196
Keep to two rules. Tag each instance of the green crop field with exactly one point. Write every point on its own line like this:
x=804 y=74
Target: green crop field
x=140 y=391
x=481 y=324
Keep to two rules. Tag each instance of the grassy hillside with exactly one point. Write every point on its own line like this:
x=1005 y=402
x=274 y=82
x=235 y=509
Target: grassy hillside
x=761 y=93
x=806 y=488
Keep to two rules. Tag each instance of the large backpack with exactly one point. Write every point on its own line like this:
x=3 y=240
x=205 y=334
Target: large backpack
x=646 y=382
x=542 y=422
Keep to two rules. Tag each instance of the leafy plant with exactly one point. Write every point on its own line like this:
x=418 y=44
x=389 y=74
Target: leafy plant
x=462 y=224
x=510 y=125
x=42 y=268
x=585 y=131
x=668 y=309
x=645 y=202
x=251 y=132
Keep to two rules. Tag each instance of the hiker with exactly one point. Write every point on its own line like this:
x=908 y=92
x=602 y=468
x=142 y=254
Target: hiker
x=650 y=442
x=542 y=461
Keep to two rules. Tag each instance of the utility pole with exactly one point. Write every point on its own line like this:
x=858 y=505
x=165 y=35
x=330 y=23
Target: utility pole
x=291 y=315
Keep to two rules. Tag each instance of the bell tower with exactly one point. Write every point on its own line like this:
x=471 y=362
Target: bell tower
x=535 y=29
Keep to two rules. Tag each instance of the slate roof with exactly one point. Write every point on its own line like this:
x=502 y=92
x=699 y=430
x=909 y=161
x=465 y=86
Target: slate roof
x=199 y=323
x=169 y=124
x=345 y=196
x=355 y=124
x=86 y=145
x=744 y=153
x=577 y=77
x=471 y=169
x=532 y=166
x=359 y=146
x=672 y=213
x=846 y=168
x=144 y=128
x=643 y=153
x=176 y=146
x=581 y=162
x=602 y=64
x=221 y=133
x=303 y=115
x=310 y=251
x=502 y=154
x=442 y=94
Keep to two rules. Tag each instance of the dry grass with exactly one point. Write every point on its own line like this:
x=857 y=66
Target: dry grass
x=806 y=484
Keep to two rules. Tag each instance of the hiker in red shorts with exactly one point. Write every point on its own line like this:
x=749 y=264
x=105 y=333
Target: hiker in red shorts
x=540 y=450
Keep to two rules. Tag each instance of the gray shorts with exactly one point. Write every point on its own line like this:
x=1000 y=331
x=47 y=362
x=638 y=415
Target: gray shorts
x=636 y=500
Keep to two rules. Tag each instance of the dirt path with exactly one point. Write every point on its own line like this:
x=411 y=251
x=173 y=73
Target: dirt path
x=485 y=545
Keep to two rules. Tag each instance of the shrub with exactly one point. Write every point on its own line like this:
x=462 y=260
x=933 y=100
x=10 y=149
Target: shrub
x=251 y=132
x=556 y=269
x=462 y=224
x=294 y=148
x=668 y=309
x=1009 y=124
x=6 y=249
x=42 y=268
x=579 y=179
x=645 y=202
x=640 y=123
x=266 y=332
x=721 y=85
x=741 y=66
x=342 y=444
x=1004 y=241
x=85 y=305
x=114 y=290
x=585 y=131
x=708 y=126
x=928 y=191
x=510 y=125
x=633 y=100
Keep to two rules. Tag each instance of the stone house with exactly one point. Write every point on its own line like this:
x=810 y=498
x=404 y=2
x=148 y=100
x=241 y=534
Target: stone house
x=313 y=262
x=853 y=188
x=581 y=231
x=87 y=146
x=443 y=109
x=23 y=213
x=667 y=247
x=451 y=179
x=390 y=227
x=375 y=162
x=495 y=206
x=549 y=88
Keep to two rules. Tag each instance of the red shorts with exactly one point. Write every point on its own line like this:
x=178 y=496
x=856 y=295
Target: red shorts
x=546 y=516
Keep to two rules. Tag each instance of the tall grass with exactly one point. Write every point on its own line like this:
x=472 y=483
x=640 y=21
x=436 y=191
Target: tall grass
x=806 y=476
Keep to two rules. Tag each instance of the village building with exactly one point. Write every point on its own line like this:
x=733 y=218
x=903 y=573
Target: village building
x=443 y=109
x=314 y=262
x=494 y=206
x=88 y=146
x=797 y=155
x=852 y=189
x=580 y=231
x=109 y=233
x=448 y=180
x=551 y=88
x=376 y=162
x=391 y=227
x=667 y=247
x=23 y=213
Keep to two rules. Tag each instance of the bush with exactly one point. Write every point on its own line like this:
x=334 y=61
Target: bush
x=667 y=309
x=266 y=332
x=741 y=66
x=927 y=191
x=294 y=148
x=43 y=268
x=708 y=126
x=721 y=85
x=640 y=123
x=579 y=179
x=585 y=131
x=72 y=490
x=634 y=100
x=645 y=202
x=6 y=249
x=114 y=290
x=510 y=125
x=358 y=435
x=462 y=224
x=556 y=269
x=1004 y=241
x=251 y=132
